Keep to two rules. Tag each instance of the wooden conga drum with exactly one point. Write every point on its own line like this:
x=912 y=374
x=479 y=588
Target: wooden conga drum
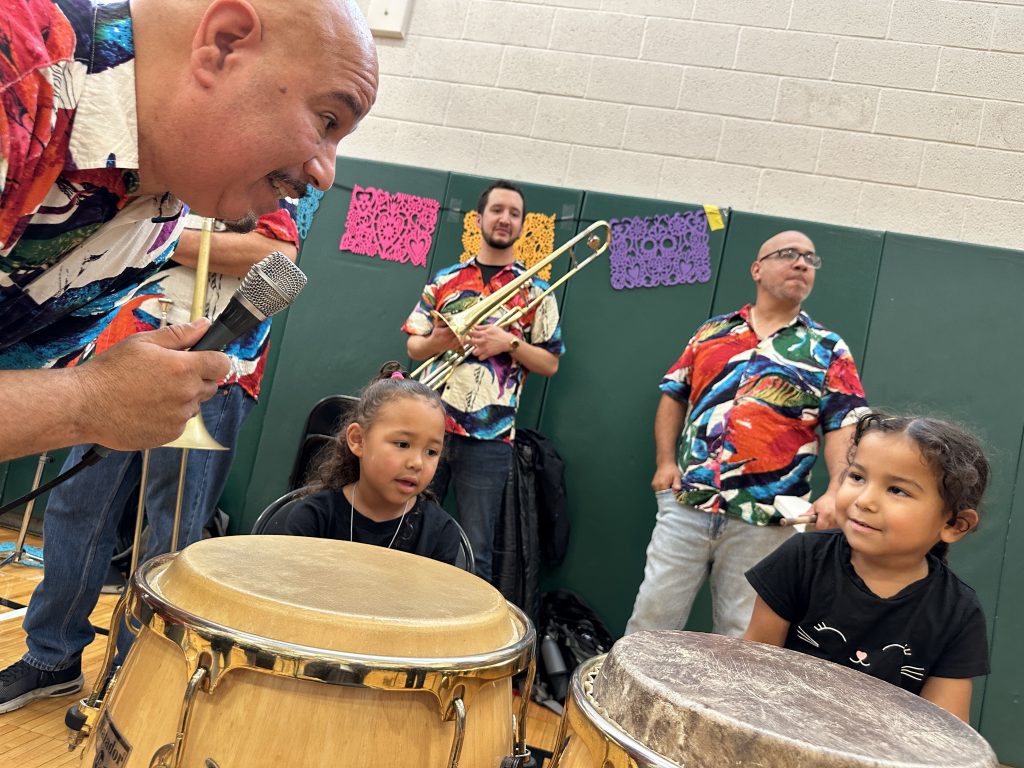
x=672 y=699
x=283 y=651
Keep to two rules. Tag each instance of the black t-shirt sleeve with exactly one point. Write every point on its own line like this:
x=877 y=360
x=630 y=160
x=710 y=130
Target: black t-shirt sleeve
x=780 y=579
x=440 y=538
x=966 y=652
x=446 y=549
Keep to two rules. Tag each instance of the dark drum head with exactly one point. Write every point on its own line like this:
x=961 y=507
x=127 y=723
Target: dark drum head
x=712 y=701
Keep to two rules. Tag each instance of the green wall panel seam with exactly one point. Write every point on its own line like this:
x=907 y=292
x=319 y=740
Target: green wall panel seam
x=862 y=366
x=566 y=290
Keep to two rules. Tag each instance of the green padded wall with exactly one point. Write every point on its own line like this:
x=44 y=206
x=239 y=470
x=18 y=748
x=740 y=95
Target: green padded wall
x=339 y=331
x=1003 y=704
x=599 y=412
x=934 y=346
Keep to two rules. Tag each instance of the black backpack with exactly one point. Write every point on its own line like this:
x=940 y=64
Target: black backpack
x=569 y=633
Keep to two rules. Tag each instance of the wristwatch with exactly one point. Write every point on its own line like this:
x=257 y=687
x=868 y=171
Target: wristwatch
x=513 y=345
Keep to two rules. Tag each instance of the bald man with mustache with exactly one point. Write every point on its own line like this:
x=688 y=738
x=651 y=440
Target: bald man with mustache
x=116 y=116
x=736 y=426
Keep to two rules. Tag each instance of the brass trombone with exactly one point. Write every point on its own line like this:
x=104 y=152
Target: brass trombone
x=436 y=371
x=195 y=436
x=81 y=717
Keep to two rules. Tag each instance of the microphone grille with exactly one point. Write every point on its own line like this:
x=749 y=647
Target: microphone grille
x=272 y=283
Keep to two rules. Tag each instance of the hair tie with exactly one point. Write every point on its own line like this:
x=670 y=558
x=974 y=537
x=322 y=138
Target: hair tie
x=397 y=375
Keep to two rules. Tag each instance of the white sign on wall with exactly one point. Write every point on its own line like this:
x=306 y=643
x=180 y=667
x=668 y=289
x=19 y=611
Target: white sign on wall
x=389 y=18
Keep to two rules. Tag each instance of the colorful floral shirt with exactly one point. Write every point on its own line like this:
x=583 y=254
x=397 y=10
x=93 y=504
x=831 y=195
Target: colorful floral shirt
x=142 y=312
x=482 y=396
x=754 y=408
x=75 y=239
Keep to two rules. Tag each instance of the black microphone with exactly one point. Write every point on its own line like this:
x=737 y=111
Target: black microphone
x=271 y=285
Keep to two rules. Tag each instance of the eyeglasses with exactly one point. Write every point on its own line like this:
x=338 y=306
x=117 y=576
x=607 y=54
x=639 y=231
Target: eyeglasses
x=812 y=259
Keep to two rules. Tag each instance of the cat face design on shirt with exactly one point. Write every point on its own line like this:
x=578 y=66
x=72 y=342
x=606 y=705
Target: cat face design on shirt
x=833 y=643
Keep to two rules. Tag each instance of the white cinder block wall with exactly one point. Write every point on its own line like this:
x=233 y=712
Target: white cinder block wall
x=906 y=115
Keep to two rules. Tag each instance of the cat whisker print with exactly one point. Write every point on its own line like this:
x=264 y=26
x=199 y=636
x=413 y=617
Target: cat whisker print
x=914 y=673
x=802 y=634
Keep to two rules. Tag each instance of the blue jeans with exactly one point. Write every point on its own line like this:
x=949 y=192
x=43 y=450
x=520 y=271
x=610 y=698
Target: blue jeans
x=80 y=523
x=686 y=547
x=478 y=470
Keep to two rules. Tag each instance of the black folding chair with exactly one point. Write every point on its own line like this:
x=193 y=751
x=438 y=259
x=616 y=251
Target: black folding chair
x=321 y=426
x=274 y=519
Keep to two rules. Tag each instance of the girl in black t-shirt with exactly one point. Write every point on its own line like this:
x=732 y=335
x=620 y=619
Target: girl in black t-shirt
x=371 y=487
x=876 y=595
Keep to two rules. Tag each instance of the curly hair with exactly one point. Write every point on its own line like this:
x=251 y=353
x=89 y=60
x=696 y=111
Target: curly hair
x=954 y=455
x=338 y=466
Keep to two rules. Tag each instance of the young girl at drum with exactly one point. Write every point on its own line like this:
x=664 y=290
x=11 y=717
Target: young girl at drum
x=876 y=594
x=371 y=487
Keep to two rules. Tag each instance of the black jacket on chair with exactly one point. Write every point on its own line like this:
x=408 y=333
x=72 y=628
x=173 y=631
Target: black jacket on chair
x=533 y=525
x=552 y=510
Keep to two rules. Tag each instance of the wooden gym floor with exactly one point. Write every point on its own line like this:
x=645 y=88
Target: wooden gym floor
x=34 y=736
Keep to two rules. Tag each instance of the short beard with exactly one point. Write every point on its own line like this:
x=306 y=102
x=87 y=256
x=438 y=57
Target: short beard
x=242 y=226
x=799 y=298
x=498 y=246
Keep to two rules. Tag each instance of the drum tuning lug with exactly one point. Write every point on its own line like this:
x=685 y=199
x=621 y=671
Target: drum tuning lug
x=518 y=761
x=79 y=719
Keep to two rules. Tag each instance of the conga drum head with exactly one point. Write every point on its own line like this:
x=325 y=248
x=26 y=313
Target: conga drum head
x=283 y=650
x=711 y=701
x=336 y=595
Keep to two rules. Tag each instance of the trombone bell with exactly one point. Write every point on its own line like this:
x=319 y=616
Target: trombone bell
x=196 y=436
x=459 y=323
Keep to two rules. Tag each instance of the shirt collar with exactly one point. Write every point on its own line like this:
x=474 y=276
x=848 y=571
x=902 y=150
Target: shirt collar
x=105 y=133
x=516 y=266
x=743 y=313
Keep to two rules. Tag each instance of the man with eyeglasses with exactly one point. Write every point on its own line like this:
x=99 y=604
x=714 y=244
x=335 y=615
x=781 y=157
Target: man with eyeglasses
x=737 y=425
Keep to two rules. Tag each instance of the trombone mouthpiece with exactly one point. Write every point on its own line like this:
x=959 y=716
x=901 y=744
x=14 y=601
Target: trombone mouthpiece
x=272 y=283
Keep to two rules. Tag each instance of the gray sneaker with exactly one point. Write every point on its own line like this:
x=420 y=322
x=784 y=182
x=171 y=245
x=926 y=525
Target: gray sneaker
x=21 y=683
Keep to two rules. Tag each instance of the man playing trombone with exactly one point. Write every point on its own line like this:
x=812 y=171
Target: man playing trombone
x=482 y=395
